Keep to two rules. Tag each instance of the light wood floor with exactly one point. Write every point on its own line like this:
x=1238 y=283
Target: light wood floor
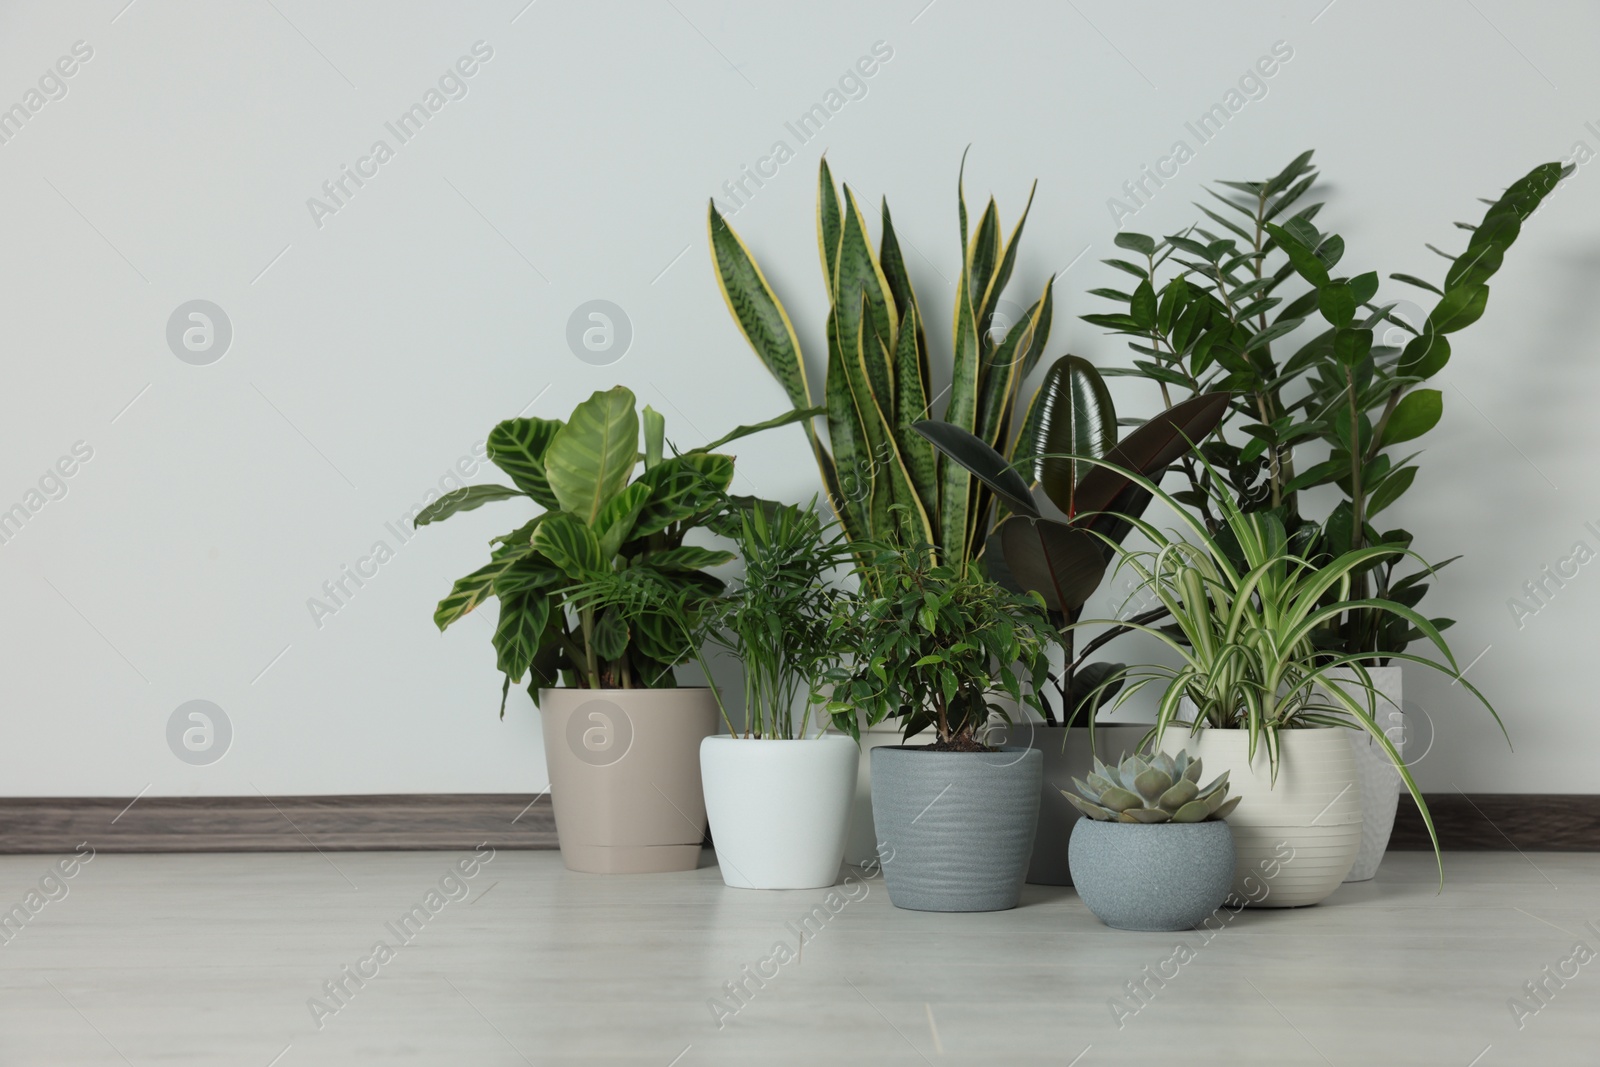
x=211 y=959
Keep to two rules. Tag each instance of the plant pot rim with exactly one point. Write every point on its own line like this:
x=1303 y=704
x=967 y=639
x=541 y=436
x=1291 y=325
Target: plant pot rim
x=1150 y=825
x=614 y=689
x=782 y=740
x=921 y=751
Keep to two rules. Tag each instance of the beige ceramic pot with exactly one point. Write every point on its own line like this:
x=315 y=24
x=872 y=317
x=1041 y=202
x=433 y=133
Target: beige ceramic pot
x=625 y=776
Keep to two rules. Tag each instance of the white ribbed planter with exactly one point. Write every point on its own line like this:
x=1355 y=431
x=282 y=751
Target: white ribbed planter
x=1294 y=840
x=1379 y=781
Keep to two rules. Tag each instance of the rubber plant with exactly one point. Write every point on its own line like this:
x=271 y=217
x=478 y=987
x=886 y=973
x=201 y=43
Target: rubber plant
x=601 y=526
x=1212 y=305
x=884 y=481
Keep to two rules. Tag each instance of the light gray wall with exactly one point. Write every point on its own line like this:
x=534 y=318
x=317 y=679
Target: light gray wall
x=373 y=347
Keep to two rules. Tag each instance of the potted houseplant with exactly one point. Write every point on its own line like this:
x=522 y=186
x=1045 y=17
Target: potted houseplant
x=778 y=790
x=885 y=482
x=1214 y=306
x=1154 y=852
x=593 y=592
x=1063 y=560
x=932 y=643
x=1249 y=689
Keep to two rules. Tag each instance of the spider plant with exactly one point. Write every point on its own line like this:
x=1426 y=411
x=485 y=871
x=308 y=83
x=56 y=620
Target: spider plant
x=1244 y=603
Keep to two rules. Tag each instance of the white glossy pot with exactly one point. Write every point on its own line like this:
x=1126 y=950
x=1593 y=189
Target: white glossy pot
x=1296 y=839
x=1379 y=781
x=779 y=809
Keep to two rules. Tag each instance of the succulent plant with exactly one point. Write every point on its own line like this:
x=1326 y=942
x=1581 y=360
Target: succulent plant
x=1159 y=788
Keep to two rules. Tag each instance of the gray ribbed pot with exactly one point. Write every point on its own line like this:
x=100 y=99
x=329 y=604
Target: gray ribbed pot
x=1162 y=876
x=955 y=829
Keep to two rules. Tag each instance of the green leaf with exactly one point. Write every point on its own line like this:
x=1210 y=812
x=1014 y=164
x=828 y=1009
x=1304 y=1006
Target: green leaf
x=990 y=467
x=1135 y=242
x=1142 y=308
x=518 y=446
x=1459 y=309
x=756 y=310
x=859 y=275
x=1338 y=303
x=1424 y=355
x=568 y=543
x=681 y=488
x=786 y=419
x=961 y=411
x=687 y=558
x=516 y=638
x=610 y=635
x=467 y=593
x=1417 y=413
x=1076 y=418
x=467 y=499
x=1390 y=489
x=526 y=574
x=1062 y=564
x=613 y=526
x=828 y=227
x=1411 y=279
x=655 y=435
x=910 y=407
x=592 y=457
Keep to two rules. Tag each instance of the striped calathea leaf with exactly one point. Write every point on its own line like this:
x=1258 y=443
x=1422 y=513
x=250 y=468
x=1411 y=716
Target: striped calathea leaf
x=598 y=589
x=885 y=481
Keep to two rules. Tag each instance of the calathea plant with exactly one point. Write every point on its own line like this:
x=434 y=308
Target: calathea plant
x=1210 y=309
x=600 y=523
x=883 y=480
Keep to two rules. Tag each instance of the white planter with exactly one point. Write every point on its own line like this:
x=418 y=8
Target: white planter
x=1295 y=840
x=861 y=843
x=779 y=809
x=1379 y=781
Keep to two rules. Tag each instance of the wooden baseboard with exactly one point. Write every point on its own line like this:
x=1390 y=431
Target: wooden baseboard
x=1493 y=822
x=449 y=821
x=277 y=824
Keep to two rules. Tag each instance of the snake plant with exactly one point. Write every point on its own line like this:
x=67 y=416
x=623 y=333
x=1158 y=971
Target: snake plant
x=885 y=482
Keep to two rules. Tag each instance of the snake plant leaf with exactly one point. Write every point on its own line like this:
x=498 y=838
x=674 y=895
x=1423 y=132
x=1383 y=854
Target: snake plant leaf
x=1061 y=563
x=911 y=406
x=1041 y=315
x=961 y=197
x=998 y=387
x=1076 y=418
x=1150 y=449
x=518 y=446
x=568 y=543
x=1144 y=815
x=592 y=457
x=961 y=410
x=786 y=419
x=615 y=522
x=984 y=255
x=681 y=488
x=1152 y=782
x=1008 y=260
x=466 y=499
x=851 y=453
x=828 y=222
x=905 y=298
x=1181 y=793
x=755 y=307
x=468 y=592
x=989 y=466
x=526 y=574
x=874 y=488
x=516 y=636
x=858 y=272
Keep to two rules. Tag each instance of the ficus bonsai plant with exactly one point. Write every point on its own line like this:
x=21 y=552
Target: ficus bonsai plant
x=1210 y=310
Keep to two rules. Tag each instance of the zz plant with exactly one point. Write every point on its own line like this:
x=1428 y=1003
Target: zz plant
x=1211 y=307
x=606 y=523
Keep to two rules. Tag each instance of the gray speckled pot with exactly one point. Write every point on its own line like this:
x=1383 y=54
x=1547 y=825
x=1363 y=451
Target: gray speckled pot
x=1166 y=876
x=955 y=829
